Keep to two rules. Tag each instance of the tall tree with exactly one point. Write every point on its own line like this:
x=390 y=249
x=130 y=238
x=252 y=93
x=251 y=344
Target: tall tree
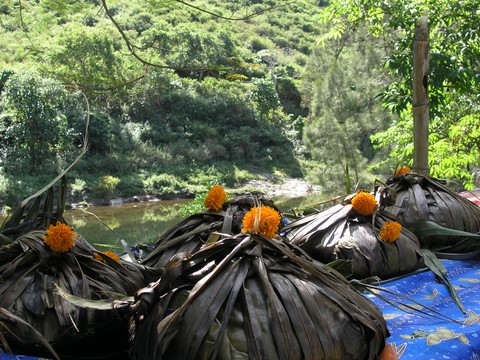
x=454 y=80
x=345 y=80
x=34 y=128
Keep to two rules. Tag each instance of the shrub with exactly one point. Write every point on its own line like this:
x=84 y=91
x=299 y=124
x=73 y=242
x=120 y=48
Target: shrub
x=131 y=185
x=164 y=185
x=258 y=44
x=15 y=189
x=105 y=186
x=78 y=189
x=195 y=206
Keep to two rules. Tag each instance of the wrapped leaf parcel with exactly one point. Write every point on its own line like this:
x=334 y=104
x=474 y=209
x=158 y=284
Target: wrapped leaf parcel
x=356 y=231
x=42 y=253
x=250 y=297
x=38 y=261
x=419 y=201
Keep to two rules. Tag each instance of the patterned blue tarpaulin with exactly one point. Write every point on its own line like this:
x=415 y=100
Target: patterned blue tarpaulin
x=417 y=336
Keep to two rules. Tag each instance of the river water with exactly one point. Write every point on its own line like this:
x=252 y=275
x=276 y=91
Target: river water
x=105 y=226
x=141 y=223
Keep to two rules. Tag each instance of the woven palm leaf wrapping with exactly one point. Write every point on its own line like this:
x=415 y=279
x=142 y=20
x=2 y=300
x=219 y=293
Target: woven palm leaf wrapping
x=340 y=233
x=250 y=297
x=31 y=271
x=191 y=233
x=414 y=198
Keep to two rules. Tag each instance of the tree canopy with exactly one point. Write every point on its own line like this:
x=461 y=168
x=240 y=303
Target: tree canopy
x=454 y=79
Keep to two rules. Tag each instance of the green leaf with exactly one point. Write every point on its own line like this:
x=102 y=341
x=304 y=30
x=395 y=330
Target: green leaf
x=430 y=228
x=435 y=265
x=343 y=266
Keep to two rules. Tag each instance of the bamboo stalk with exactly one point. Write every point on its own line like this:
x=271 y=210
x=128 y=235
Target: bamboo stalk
x=420 y=101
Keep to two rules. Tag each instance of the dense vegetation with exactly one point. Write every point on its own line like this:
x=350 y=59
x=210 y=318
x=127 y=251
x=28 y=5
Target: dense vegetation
x=182 y=95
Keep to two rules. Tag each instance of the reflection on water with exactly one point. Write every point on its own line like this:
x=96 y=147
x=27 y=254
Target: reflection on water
x=140 y=223
x=136 y=223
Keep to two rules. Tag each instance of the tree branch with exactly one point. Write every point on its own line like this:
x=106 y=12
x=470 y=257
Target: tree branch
x=132 y=48
x=243 y=18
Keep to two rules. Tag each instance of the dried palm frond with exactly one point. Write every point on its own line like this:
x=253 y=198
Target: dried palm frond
x=194 y=231
x=10 y=323
x=422 y=199
x=250 y=297
x=342 y=233
x=30 y=271
x=43 y=253
x=38 y=212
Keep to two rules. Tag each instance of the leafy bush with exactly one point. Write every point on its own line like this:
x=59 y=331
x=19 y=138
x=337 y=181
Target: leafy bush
x=164 y=185
x=34 y=129
x=78 y=190
x=131 y=185
x=22 y=186
x=105 y=186
x=195 y=206
x=258 y=43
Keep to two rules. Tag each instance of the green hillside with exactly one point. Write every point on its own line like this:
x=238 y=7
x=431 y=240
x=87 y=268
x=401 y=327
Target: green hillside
x=181 y=95
x=178 y=97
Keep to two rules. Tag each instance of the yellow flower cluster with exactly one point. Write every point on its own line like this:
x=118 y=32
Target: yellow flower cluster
x=390 y=231
x=403 y=170
x=215 y=198
x=262 y=220
x=60 y=237
x=364 y=203
x=110 y=254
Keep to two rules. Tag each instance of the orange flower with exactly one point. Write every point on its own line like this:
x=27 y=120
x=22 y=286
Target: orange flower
x=262 y=220
x=364 y=203
x=215 y=198
x=60 y=237
x=390 y=231
x=110 y=254
x=403 y=170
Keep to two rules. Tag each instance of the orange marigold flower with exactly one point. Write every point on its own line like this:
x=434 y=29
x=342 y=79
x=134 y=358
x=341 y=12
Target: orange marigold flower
x=262 y=220
x=215 y=198
x=364 y=203
x=390 y=231
x=403 y=170
x=110 y=254
x=60 y=237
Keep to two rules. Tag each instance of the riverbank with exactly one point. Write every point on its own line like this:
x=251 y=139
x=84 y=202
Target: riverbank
x=268 y=185
x=280 y=187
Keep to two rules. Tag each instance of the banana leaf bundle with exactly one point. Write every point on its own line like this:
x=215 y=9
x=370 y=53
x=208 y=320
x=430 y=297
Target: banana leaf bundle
x=191 y=233
x=418 y=200
x=375 y=244
x=247 y=296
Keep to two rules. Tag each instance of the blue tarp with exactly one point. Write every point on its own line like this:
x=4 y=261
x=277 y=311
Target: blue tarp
x=417 y=336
